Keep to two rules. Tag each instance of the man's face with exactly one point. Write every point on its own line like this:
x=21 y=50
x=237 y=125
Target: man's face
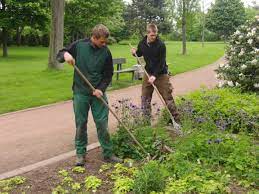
x=100 y=42
x=151 y=36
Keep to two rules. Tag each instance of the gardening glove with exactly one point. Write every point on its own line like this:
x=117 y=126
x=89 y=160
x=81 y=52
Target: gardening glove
x=151 y=79
x=98 y=93
x=69 y=59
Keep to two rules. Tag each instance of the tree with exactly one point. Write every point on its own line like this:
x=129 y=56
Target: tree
x=16 y=14
x=57 y=32
x=81 y=16
x=4 y=22
x=183 y=11
x=141 y=12
x=225 y=16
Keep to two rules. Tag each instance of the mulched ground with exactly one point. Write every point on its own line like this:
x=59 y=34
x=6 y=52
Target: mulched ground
x=44 y=179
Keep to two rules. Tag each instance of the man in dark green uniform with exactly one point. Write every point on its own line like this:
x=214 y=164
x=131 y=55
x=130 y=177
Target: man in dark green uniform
x=94 y=60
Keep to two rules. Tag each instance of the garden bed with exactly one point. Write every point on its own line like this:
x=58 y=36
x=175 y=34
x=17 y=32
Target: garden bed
x=216 y=154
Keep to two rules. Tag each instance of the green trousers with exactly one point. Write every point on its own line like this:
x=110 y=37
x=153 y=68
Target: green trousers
x=82 y=104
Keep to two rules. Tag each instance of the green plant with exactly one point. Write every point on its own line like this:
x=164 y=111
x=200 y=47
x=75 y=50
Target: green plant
x=151 y=177
x=67 y=181
x=10 y=184
x=150 y=138
x=105 y=167
x=92 y=183
x=123 y=185
x=76 y=186
x=59 y=190
x=63 y=173
x=225 y=109
x=78 y=169
x=120 y=170
x=242 y=67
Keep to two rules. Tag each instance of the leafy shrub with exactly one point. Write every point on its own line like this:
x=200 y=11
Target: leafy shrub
x=123 y=185
x=11 y=183
x=225 y=109
x=214 y=150
x=92 y=183
x=151 y=177
x=199 y=181
x=242 y=68
x=150 y=138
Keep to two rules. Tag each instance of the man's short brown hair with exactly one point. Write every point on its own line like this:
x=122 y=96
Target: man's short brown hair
x=100 y=30
x=152 y=28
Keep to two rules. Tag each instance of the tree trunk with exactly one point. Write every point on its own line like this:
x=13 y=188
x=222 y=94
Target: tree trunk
x=203 y=23
x=184 y=28
x=19 y=36
x=4 y=32
x=57 y=32
x=5 y=39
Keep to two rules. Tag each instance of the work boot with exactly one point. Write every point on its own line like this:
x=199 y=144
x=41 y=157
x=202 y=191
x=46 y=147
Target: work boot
x=112 y=159
x=80 y=160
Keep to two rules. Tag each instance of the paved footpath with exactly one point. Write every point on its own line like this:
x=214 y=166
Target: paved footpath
x=37 y=134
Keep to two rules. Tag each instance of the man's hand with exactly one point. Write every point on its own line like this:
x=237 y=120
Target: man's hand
x=133 y=51
x=151 y=79
x=69 y=59
x=98 y=93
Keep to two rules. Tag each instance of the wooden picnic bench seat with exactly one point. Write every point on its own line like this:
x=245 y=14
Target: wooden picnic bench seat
x=119 y=62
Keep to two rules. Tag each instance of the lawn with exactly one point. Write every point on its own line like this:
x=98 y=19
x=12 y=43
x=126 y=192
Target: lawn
x=26 y=82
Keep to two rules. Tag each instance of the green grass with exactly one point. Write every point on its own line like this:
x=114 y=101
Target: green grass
x=26 y=82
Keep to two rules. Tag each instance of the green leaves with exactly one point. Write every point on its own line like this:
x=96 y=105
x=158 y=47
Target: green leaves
x=242 y=66
x=10 y=184
x=92 y=183
x=225 y=16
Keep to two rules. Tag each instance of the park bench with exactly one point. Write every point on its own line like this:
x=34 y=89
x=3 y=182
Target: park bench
x=119 y=62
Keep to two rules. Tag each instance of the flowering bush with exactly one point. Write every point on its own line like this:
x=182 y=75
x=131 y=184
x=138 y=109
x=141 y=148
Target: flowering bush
x=225 y=109
x=242 y=67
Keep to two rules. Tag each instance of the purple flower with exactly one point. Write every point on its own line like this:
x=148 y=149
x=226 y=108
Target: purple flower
x=209 y=141
x=218 y=140
x=200 y=120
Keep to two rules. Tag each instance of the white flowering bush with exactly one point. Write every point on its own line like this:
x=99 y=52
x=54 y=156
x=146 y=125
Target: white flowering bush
x=242 y=54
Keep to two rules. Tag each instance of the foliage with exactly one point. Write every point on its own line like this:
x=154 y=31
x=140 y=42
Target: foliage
x=207 y=159
x=7 y=185
x=92 y=183
x=78 y=169
x=123 y=185
x=224 y=109
x=225 y=16
x=79 y=17
x=199 y=181
x=242 y=67
x=63 y=173
x=13 y=17
x=37 y=14
x=152 y=139
x=151 y=177
x=139 y=13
